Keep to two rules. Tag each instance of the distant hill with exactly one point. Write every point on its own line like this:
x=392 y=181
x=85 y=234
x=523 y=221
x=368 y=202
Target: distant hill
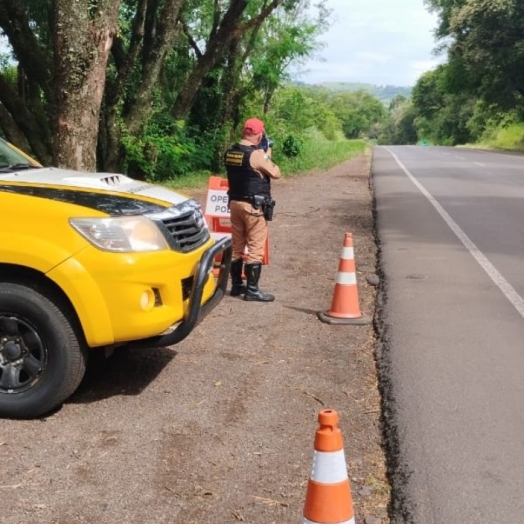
x=383 y=93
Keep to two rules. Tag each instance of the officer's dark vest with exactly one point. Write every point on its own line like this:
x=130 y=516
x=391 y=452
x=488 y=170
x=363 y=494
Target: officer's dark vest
x=243 y=180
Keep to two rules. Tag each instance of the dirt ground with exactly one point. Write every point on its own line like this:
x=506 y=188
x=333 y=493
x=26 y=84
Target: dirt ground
x=220 y=428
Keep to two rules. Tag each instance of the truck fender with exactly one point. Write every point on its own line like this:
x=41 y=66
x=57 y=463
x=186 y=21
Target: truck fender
x=66 y=272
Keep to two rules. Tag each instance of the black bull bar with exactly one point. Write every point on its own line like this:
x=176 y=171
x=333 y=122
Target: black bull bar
x=195 y=311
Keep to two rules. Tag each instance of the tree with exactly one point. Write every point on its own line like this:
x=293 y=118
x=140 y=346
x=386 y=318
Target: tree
x=440 y=115
x=26 y=92
x=232 y=25
x=486 y=41
x=110 y=73
x=359 y=112
x=83 y=38
x=244 y=80
x=61 y=75
x=400 y=125
x=287 y=38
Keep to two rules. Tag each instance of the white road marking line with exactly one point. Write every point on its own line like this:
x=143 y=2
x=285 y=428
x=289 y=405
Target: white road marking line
x=479 y=164
x=507 y=289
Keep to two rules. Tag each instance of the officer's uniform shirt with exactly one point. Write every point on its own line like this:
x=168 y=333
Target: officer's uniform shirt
x=260 y=161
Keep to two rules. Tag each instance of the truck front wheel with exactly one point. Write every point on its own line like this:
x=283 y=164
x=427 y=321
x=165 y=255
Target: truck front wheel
x=42 y=360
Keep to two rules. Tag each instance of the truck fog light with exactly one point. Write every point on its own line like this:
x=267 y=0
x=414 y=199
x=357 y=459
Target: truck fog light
x=158 y=297
x=147 y=300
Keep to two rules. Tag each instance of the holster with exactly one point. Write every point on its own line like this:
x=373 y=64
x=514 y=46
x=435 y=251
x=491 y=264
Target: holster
x=257 y=201
x=265 y=203
x=267 y=208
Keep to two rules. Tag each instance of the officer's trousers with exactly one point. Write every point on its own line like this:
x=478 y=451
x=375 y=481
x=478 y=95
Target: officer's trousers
x=248 y=230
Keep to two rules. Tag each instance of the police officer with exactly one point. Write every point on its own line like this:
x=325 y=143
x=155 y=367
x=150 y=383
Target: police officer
x=249 y=172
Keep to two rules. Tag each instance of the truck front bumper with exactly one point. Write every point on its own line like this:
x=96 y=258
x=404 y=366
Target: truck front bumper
x=196 y=311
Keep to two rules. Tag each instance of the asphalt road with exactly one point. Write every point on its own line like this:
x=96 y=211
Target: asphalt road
x=451 y=229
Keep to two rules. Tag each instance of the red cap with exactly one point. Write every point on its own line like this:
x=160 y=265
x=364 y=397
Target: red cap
x=253 y=126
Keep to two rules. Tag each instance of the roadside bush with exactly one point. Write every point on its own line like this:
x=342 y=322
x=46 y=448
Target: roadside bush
x=166 y=150
x=292 y=146
x=509 y=137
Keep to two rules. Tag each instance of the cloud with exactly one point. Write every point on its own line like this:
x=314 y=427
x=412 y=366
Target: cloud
x=375 y=41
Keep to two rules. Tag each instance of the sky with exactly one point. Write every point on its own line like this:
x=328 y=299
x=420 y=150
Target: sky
x=381 y=42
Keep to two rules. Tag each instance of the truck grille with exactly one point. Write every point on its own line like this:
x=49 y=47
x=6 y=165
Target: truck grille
x=183 y=226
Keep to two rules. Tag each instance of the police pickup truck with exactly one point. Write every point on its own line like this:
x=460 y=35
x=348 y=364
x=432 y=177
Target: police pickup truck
x=93 y=260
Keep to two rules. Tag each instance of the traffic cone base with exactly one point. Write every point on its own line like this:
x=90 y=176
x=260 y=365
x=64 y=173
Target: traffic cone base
x=328 y=495
x=326 y=317
x=345 y=307
x=306 y=521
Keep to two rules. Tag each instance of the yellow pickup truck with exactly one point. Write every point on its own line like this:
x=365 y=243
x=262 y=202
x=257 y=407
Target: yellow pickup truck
x=93 y=260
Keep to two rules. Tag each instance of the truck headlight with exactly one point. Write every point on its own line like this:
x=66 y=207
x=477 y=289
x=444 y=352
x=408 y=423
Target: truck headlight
x=121 y=234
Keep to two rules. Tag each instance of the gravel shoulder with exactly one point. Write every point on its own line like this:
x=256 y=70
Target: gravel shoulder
x=220 y=428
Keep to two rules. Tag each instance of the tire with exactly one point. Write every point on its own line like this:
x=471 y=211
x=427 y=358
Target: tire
x=42 y=360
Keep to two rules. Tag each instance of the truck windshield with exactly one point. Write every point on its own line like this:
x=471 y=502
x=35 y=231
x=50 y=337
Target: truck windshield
x=12 y=160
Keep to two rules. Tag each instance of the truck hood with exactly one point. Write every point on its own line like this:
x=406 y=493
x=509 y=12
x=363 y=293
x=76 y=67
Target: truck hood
x=113 y=182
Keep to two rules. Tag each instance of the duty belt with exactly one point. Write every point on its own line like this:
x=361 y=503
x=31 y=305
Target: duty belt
x=240 y=199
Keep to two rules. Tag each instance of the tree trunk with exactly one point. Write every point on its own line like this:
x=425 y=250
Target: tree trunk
x=163 y=25
x=230 y=88
x=154 y=32
x=23 y=105
x=11 y=131
x=83 y=39
x=110 y=150
x=217 y=46
x=25 y=121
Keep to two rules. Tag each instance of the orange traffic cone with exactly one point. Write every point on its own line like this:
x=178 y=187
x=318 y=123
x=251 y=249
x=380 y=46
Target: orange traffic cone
x=345 y=308
x=328 y=496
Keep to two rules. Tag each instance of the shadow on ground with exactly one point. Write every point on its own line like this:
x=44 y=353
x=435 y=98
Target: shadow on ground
x=125 y=372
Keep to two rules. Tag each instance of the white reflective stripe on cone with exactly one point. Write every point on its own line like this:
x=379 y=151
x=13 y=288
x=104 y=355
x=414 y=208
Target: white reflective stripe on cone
x=329 y=467
x=346 y=278
x=306 y=521
x=348 y=253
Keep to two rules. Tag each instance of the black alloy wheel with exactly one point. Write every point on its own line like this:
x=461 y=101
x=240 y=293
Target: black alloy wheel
x=23 y=356
x=42 y=360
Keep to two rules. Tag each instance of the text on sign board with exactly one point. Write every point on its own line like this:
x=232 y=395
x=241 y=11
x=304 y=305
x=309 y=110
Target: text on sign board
x=216 y=203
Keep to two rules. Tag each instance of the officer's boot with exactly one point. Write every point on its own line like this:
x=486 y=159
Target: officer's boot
x=237 y=285
x=252 y=291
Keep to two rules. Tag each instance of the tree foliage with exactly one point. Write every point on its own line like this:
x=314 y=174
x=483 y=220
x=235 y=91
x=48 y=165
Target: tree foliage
x=399 y=127
x=360 y=113
x=481 y=86
x=488 y=38
x=118 y=76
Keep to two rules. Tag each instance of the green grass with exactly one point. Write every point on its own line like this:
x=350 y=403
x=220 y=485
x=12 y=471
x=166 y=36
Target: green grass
x=321 y=154
x=315 y=154
x=509 y=138
x=191 y=181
